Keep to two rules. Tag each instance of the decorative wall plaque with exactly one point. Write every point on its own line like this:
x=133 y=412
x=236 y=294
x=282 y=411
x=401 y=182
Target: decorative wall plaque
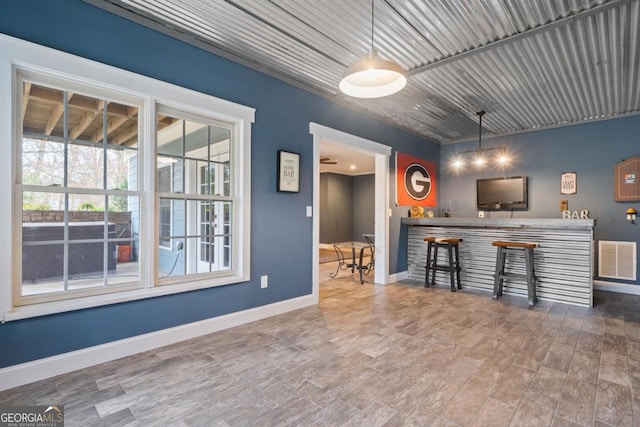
x=626 y=180
x=569 y=183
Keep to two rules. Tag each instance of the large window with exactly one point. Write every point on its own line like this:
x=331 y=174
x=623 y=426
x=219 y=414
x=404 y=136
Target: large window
x=110 y=203
x=200 y=204
x=77 y=188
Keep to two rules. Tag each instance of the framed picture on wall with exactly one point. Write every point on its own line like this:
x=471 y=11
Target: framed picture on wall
x=568 y=183
x=288 y=172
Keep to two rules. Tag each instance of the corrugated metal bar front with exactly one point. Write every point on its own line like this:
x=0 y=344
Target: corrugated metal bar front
x=563 y=261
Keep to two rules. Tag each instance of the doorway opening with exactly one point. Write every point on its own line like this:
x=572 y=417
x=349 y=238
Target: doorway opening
x=324 y=141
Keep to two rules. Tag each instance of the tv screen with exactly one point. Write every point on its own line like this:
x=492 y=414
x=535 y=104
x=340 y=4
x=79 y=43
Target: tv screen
x=502 y=194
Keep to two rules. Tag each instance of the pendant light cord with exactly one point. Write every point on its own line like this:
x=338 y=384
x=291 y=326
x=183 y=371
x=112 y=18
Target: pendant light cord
x=480 y=114
x=372 y=20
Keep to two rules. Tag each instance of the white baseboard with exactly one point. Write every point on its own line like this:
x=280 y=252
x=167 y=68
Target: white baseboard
x=25 y=373
x=621 y=288
x=396 y=277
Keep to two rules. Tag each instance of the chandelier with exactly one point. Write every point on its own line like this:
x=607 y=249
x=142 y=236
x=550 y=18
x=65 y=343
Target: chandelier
x=480 y=157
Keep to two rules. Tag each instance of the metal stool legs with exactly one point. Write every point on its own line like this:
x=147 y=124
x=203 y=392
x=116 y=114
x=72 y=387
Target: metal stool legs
x=452 y=266
x=524 y=248
x=427 y=267
x=531 y=277
x=499 y=275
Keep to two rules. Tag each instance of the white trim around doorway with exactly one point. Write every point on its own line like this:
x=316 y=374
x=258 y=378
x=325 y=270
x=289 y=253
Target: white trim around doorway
x=381 y=153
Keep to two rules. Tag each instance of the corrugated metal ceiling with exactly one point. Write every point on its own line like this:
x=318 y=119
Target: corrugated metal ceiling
x=531 y=64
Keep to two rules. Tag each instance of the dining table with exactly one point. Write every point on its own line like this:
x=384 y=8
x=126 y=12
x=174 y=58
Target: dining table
x=356 y=261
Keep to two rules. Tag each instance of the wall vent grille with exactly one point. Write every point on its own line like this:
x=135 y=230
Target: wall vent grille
x=617 y=260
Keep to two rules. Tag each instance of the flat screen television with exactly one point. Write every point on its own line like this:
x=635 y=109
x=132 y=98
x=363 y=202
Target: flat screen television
x=502 y=194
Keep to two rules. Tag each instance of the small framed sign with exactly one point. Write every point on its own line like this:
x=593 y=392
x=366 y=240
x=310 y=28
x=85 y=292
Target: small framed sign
x=568 y=183
x=288 y=172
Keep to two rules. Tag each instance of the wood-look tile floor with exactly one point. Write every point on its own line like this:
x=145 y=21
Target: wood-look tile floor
x=370 y=355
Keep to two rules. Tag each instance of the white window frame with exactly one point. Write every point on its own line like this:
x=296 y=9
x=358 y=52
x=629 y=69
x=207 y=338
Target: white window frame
x=56 y=82
x=16 y=54
x=174 y=111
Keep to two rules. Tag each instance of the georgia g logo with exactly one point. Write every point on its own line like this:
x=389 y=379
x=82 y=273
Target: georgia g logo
x=417 y=181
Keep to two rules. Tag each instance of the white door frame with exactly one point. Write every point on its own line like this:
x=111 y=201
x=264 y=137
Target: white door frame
x=381 y=153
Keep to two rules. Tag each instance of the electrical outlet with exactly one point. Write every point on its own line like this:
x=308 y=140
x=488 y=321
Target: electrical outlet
x=264 y=281
x=480 y=214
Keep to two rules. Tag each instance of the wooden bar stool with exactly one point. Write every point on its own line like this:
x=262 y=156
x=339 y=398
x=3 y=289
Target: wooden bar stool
x=525 y=248
x=452 y=266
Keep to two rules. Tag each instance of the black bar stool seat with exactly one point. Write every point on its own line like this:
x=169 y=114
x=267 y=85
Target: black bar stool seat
x=525 y=248
x=453 y=263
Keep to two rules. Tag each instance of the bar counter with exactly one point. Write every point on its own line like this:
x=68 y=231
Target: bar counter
x=563 y=260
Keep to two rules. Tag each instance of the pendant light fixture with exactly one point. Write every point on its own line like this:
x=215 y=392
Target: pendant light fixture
x=372 y=76
x=479 y=159
x=479 y=155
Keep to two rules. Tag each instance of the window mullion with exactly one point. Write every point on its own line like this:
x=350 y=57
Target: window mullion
x=105 y=161
x=65 y=180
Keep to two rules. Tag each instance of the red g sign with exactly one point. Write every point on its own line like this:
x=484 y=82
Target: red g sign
x=416 y=181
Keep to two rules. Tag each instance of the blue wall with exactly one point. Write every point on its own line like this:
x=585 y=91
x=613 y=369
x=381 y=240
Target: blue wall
x=590 y=150
x=283 y=113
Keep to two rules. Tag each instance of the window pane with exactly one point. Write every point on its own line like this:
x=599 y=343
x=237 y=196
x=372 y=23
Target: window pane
x=170 y=136
x=227 y=179
x=226 y=262
x=42 y=263
x=171 y=262
x=41 y=161
x=86 y=207
x=165 y=222
x=196 y=140
x=122 y=126
x=164 y=178
x=122 y=169
x=86 y=263
x=122 y=215
x=86 y=166
x=197 y=180
x=41 y=201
